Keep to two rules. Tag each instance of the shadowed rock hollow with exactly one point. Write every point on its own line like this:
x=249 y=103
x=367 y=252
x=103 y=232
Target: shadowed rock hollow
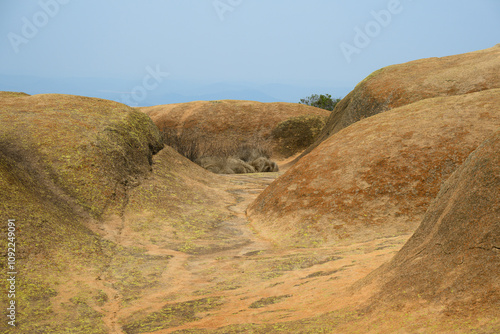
x=402 y=84
x=376 y=177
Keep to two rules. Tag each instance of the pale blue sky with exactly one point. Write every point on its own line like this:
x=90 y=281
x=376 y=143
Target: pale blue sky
x=252 y=42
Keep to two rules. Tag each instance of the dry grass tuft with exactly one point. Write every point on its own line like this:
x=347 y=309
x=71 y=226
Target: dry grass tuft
x=195 y=144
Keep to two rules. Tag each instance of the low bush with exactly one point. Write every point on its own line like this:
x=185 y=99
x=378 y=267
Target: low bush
x=297 y=133
x=222 y=155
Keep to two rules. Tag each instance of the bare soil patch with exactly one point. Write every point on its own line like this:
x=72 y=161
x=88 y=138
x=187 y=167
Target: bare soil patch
x=252 y=281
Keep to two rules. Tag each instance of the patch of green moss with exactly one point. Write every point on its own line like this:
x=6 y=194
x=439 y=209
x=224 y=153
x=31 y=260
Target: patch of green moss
x=101 y=298
x=323 y=273
x=133 y=272
x=297 y=133
x=268 y=301
x=326 y=323
x=81 y=318
x=269 y=275
x=301 y=262
x=173 y=315
x=372 y=75
x=36 y=312
x=12 y=94
x=220 y=286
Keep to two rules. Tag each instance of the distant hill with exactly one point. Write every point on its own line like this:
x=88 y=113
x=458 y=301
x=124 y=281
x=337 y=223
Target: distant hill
x=170 y=90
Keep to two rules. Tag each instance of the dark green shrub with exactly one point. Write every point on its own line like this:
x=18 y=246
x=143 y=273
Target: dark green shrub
x=296 y=134
x=320 y=101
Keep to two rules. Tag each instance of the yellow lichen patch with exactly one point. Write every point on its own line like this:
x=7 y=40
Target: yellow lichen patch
x=64 y=161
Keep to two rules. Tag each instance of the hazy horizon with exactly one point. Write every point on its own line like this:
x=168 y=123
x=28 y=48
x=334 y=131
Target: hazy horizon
x=155 y=52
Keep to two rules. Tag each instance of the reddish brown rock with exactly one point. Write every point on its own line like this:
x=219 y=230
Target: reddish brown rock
x=378 y=176
x=451 y=265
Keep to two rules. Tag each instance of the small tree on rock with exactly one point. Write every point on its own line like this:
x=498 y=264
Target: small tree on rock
x=320 y=101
